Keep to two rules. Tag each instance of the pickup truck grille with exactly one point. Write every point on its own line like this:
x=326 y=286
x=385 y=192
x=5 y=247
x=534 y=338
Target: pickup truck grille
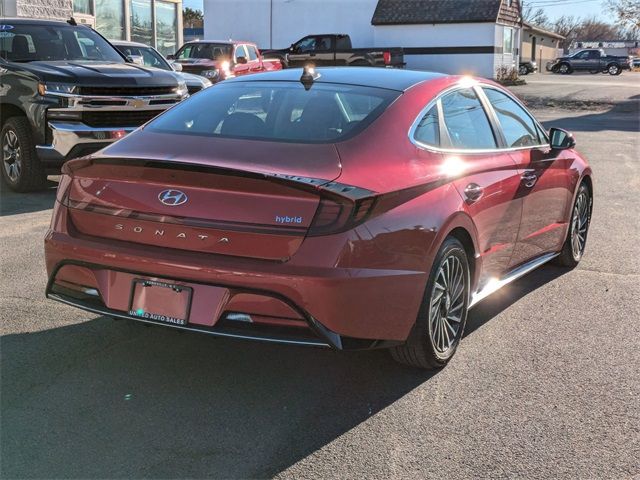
x=129 y=118
x=127 y=91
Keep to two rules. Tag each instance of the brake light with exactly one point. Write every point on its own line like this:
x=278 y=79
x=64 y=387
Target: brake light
x=387 y=58
x=338 y=215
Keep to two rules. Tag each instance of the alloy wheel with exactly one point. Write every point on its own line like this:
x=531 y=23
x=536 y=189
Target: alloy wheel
x=11 y=156
x=613 y=70
x=580 y=225
x=446 y=307
x=564 y=68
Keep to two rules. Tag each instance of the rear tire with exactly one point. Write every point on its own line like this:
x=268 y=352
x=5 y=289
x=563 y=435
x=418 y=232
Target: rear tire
x=443 y=314
x=21 y=168
x=614 y=69
x=576 y=241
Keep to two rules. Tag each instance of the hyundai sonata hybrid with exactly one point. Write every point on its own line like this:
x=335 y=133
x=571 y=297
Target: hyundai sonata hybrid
x=352 y=208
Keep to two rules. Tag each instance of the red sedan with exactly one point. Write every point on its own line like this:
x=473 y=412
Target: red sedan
x=351 y=208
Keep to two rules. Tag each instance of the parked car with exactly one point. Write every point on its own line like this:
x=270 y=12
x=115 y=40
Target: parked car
x=527 y=67
x=350 y=208
x=635 y=62
x=65 y=92
x=219 y=60
x=335 y=50
x=150 y=57
x=591 y=60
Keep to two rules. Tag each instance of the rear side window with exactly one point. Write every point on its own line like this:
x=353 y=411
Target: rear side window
x=428 y=130
x=518 y=127
x=466 y=121
x=251 y=50
x=278 y=111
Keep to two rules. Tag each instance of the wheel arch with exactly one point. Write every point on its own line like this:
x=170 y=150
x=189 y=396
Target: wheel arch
x=461 y=227
x=8 y=110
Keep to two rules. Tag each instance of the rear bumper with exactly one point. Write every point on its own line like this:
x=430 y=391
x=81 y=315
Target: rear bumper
x=75 y=139
x=339 y=308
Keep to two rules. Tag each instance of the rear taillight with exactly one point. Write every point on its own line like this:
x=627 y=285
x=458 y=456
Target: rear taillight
x=335 y=215
x=387 y=58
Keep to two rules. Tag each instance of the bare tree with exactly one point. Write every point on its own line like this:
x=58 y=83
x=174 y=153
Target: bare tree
x=536 y=17
x=595 y=30
x=628 y=13
x=567 y=26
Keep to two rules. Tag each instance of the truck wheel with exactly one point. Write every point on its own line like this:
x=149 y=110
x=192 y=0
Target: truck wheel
x=614 y=69
x=21 y=169
x=564 y=68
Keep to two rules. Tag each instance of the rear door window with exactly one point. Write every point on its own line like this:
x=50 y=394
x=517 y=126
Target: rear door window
x=251 y=50
x=466 y=121
x=518 y=127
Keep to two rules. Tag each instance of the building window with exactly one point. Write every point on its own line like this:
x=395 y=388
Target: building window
x=507 y=43
x=141 y=24
x=110 y=18
x=83 y=6
x=166 y=27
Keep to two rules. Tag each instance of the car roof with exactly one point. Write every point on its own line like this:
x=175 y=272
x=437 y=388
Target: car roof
x=390 y=78
x=225 y=42
x=37 y=21
x=125 y=43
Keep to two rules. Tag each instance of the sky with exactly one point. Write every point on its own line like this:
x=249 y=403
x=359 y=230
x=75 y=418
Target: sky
x=554 y=8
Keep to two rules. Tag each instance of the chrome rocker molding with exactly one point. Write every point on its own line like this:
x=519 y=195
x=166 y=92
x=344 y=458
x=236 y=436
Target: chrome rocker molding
x=494 y=286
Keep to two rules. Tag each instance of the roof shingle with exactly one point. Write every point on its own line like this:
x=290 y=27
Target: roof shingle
x=398 y=12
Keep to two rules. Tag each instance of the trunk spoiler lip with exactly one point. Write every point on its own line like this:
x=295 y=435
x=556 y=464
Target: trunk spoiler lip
x=324 y=187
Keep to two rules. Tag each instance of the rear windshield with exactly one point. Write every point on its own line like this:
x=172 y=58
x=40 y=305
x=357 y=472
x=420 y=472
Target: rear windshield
x=278 y=111
x=210 y=51
x=29 y=43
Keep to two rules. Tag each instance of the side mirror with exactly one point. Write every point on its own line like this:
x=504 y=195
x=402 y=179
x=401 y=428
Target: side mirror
x=177 y=67
x=241 y=60
x=561 y=139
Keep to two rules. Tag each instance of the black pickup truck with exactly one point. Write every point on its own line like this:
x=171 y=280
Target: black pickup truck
x=66 y=92
x=590 y=60
x=335 y=50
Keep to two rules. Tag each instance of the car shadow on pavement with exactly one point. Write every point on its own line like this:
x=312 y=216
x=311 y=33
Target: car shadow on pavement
x=623 y=117
x=505 y=297
x=12 y=203
x=115 y=399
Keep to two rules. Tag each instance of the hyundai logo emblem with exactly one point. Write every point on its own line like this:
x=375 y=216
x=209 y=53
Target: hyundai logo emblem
x=172 y=198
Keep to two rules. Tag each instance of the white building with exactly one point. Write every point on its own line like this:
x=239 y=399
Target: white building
x=451 y=36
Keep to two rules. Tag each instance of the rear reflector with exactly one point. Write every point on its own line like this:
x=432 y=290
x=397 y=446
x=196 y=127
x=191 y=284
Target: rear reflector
x=387 y=58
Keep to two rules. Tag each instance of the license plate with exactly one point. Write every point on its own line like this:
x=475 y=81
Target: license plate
x=160 y=301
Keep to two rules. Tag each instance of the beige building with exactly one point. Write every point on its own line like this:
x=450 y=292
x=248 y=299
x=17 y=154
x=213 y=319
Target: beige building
x=539 y=45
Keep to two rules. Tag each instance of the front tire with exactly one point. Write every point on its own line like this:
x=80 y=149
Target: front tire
x=443 y=314
x=523 y=70
x=21 y=168
x=576 y=241
x=564 y=69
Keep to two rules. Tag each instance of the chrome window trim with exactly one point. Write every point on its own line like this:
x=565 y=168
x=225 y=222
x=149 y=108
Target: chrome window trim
x=500 y=149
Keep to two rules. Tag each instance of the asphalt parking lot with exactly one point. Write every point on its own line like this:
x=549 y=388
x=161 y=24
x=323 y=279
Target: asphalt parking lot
x=545 y=385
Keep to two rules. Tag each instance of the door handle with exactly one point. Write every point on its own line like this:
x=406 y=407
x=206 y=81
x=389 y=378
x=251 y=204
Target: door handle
x=529 y=179
x=473 y=192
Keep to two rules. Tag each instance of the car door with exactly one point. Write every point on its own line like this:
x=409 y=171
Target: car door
x=323 y=54
x=240 y=68
x=545 y=179
x=301 y=50
x=490 y=181
x=581 y=60
x=253 y=60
